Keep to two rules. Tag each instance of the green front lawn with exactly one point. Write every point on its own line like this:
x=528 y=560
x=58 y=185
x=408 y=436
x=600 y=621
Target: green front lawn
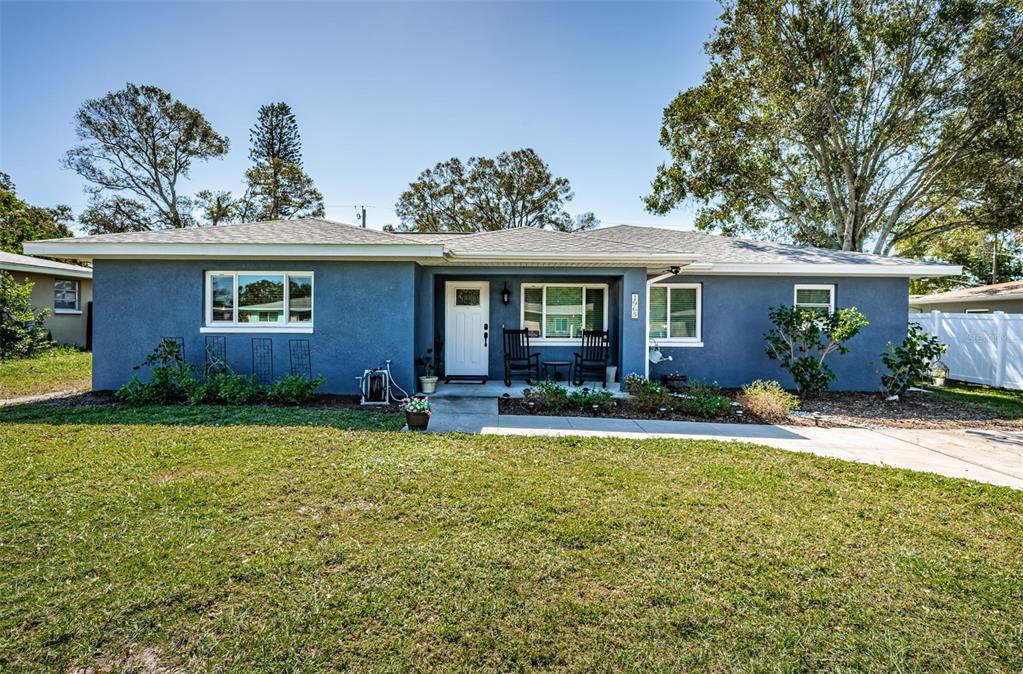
x=57 y=370
x=1003 y=402
x=269 y=539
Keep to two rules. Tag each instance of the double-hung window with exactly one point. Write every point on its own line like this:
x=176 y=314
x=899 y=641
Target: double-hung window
x=676 y=314
x=554 y=311
x=65 y=296
x=257 y=300
x=819 y=298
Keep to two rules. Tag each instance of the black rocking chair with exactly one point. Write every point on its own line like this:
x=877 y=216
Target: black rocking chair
x=518 y=358
x=593 y=358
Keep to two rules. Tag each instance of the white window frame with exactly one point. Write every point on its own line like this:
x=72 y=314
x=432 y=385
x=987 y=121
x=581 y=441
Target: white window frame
x=830 y=287
x=78 y=296
x=543 y=339
x=234 y=326
x=696 y=341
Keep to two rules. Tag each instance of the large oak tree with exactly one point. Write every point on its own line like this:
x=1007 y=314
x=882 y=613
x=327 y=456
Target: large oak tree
x=851 y=124
x=137 y=145
x=514 y=189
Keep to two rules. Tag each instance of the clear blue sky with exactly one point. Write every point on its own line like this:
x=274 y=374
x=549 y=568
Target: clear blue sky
x=381 y=90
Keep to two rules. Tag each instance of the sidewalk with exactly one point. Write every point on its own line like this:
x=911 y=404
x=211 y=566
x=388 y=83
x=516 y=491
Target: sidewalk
x=994 y=457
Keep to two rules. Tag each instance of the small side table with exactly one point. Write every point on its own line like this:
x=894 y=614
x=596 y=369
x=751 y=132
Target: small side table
x=552 y=366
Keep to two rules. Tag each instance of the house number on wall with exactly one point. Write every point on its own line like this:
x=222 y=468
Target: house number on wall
x=635 y=305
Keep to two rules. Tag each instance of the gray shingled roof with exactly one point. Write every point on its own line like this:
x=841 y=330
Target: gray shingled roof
x=997 y=291
x=15 y=261
x=618 y=240
x=529 y=240
x=729 y=250
x=306 y=230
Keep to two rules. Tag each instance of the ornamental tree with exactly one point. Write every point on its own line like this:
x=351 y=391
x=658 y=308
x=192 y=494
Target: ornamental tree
x=802 y=338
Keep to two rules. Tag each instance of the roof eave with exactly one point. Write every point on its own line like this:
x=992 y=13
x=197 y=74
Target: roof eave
x=936 y=299
x=263 y=251
x=832 y=269
x=601 y=259
x=44 y=270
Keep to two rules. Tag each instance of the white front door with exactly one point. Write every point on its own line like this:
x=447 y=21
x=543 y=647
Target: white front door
x=467 y=328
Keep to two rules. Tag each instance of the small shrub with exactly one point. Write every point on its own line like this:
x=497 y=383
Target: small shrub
x=650 y=396
x=802 y=338
x=227 y=387
x=584 y=401
x=910 y=361
x=549 y=396
x=767 y=400
x=704 y=399
x=171 y=379
x=294 y=390
x=631 y=381
x=22 y=329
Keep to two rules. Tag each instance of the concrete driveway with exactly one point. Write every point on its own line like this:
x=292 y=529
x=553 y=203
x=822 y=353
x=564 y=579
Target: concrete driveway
x=994 y=457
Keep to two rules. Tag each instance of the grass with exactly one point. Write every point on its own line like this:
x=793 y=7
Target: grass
x=268 y=539
x=58 y=369
x=1003 y=402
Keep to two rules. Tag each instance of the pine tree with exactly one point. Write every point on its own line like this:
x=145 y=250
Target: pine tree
x=275 y=136
x=277 y=187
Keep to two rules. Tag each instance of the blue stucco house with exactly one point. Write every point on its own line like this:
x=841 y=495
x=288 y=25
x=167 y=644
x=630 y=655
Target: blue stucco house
x=361 y=296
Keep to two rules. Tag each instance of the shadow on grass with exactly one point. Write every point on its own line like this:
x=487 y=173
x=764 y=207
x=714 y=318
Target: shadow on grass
x=60 y=413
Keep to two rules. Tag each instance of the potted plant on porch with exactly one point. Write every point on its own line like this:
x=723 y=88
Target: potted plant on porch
x=428 y=382
x=417 y=412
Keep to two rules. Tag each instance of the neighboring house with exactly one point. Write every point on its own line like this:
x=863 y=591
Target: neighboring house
x=1007 y=297
x=64 y=289
x=361 y=296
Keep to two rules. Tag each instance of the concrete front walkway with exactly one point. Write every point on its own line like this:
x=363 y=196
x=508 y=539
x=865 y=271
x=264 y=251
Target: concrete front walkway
x=995 y=457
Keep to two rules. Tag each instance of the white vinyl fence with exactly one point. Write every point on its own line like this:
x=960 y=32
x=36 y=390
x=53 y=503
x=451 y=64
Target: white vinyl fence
x=982 y=348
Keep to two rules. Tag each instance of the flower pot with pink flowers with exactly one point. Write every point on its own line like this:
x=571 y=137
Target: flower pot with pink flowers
x=417 y=412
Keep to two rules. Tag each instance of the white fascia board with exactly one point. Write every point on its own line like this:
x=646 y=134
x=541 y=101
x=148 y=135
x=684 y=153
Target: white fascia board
x=622 y=259
x=936 y=299
x=46 y=271
x=825 y=269
x=262 y=251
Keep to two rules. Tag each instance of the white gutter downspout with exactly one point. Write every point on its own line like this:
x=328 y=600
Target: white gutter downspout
x=646 y=320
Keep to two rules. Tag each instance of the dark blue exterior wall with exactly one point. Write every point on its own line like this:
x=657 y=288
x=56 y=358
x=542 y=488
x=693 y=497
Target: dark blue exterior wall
x=366 y=312
x=363 y=314
x=735 y=320
x=626 y=335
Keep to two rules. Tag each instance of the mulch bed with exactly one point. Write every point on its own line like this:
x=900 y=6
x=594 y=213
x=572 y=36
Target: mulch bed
x=620 y=408
x=915 y=409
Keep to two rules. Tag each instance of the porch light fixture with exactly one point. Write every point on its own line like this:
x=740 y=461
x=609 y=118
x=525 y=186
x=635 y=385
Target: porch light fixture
x=505 y=294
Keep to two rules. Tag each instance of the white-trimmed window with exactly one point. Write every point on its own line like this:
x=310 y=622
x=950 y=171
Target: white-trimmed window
x=816 y=297
x=561 y=311
x=65 y=296
x=259 y=300
x=675 y=314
